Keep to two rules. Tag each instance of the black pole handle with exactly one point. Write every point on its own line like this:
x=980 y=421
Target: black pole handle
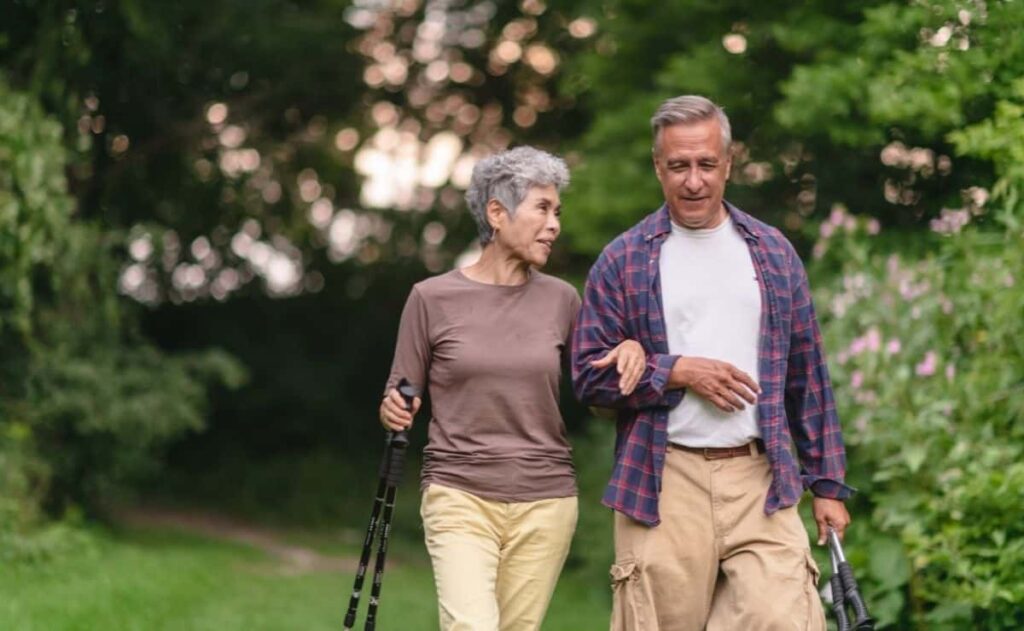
x=392 y=464
x=848 y=592
x=839 y=603
x=409 y=392
x=862 y=620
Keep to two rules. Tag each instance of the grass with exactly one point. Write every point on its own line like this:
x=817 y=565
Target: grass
x=162 y=580
x=166 y=581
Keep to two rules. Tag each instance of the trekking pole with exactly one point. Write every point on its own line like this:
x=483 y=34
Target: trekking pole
x=862 y=620
x=390 y=473
x=838 y=598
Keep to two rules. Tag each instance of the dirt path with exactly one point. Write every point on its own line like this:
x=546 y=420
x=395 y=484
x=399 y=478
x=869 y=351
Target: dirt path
x=291 y=559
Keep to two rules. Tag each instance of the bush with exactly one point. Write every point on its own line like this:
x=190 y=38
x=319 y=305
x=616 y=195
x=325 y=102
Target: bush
x=85 y=402
x=928 y=364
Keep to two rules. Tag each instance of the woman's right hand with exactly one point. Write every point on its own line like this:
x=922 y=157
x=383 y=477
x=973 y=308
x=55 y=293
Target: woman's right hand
x=393 y=415
x=629 y=360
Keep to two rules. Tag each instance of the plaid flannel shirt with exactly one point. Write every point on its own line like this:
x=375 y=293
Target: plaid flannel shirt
x=622 y=301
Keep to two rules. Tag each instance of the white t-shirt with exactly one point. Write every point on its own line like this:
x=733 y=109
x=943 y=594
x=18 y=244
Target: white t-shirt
x=712 y=303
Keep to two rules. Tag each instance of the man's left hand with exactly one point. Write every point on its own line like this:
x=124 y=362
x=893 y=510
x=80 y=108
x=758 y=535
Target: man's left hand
x=829 y=512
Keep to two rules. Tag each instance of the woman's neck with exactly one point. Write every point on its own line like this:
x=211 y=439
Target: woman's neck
x=497 y=268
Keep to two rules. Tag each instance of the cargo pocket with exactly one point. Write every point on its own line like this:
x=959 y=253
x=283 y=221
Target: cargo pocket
x=815 y=612
x=632 y=606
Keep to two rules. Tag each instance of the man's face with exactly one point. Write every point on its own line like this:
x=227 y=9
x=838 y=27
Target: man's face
x=692 y=165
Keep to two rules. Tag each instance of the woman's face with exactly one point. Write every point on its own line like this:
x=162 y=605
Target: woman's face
x=530 y=232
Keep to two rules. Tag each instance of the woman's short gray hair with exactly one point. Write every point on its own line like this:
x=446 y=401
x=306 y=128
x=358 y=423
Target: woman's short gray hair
x=507 y=177
x=688 y=109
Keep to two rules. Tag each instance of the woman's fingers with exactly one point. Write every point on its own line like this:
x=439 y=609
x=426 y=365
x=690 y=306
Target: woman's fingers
x=393 y=414
x=631 y=375
x=629 y=360
x=607 y=359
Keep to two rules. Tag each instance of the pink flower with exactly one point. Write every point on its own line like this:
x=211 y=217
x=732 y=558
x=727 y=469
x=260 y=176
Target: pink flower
x=874 y=227
x=837 y=215
x=857 y=379
x=857 y=346
x=906 y=289
x=826 y=229
x=928 y=365
x=861 y=422
x=893 y=346
x=873 y=340
x=950 y=371
x=892 y=264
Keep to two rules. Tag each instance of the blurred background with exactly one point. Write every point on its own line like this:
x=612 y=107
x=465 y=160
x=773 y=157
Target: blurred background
x=211 y=213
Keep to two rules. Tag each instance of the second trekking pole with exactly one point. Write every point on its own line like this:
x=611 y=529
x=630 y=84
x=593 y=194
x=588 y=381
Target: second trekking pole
x=390 y=476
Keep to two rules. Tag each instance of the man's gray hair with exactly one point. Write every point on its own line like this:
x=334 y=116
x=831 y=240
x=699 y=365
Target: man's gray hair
x=508 y=177
x=686 y=110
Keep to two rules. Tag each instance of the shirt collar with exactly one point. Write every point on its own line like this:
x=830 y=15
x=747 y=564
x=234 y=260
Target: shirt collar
x=661 y=222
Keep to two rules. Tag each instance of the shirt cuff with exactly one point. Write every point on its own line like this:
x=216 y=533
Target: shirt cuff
x=828 y=488
x=659 y=379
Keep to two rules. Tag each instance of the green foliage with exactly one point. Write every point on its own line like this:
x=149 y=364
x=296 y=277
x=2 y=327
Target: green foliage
x=34 y=203
x=930 y=380
x=86 y=403
x=1000 y=139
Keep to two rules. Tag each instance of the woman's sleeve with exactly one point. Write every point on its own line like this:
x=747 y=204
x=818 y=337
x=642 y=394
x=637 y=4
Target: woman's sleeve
x=412 y=348
x=574 y=309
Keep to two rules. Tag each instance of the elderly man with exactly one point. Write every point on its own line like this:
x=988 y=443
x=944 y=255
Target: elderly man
x=705 y=484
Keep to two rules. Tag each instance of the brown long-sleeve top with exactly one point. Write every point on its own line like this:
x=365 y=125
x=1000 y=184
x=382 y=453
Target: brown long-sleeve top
x=491 y=356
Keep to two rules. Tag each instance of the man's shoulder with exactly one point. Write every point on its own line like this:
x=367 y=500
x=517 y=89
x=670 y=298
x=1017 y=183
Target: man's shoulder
x=632 y=239
x=772 y=238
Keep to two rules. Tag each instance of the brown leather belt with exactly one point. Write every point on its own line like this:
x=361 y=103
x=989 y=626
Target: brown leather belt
x=720 y=453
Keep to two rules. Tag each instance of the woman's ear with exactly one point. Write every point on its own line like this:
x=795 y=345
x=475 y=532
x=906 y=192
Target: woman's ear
x=496 y=215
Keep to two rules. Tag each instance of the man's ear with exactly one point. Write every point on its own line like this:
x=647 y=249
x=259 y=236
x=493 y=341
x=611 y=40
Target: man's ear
x=657 y=167
x=496 y=215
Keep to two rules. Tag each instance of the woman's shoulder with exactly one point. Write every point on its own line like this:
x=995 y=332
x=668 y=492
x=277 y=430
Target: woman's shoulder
x=555 y=285
x=439 y=283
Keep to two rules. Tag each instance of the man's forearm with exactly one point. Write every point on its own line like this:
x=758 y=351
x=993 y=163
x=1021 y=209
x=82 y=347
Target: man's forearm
x=600 y=386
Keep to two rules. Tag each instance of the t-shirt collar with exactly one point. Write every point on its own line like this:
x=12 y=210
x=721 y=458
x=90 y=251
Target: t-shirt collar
x=662 y=222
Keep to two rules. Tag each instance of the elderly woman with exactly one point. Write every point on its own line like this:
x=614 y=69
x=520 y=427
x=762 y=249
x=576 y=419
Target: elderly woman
x=499 y=489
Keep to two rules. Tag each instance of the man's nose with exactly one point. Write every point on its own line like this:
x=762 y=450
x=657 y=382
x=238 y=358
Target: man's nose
x=693 y=181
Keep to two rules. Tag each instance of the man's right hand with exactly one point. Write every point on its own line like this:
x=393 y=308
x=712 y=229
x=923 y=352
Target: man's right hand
x=721 y=383
x=393 y=414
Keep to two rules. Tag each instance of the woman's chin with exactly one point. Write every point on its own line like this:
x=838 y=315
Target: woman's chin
x=540 y=261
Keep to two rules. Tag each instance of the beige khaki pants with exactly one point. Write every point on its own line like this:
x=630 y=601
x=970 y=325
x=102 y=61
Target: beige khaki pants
x=716 y=561
x=495 y=563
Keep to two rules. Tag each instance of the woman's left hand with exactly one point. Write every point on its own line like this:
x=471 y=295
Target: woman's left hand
x=630 y=361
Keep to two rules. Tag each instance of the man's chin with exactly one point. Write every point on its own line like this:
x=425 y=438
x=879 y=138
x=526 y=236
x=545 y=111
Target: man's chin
x=695 y=214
